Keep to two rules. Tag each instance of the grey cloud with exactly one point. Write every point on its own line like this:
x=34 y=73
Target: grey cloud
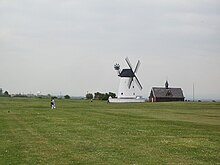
x=72 y=45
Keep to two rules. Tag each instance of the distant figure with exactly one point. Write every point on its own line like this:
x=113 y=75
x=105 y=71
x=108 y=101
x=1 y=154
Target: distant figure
x=108 y=99
x=52 y=102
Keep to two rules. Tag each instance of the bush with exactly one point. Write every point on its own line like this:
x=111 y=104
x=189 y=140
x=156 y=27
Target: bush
x=89 y=96
x=67 y=97
x=102 y=96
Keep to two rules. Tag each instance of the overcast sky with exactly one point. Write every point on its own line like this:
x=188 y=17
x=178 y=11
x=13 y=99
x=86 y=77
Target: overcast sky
x=71 y=46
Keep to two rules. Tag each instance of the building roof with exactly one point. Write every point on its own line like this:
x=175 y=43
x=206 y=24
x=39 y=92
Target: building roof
x=159 y=92
x=126 y=73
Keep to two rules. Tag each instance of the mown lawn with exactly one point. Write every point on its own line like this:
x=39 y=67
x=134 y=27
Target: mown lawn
x=84 y=132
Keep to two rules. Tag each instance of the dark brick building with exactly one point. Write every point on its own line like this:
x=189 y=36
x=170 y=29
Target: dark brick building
x=160 y=94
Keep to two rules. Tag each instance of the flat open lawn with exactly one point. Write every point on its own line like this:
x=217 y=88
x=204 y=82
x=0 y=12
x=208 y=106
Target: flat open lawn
x=84 y=132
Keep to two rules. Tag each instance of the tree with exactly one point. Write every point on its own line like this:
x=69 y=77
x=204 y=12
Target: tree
x=1 y=91
x=113 y=95
x=6 y=94
x=105 y=96
x=67 y=97
x=102 y=96
x=99 y=96
x=89 y=96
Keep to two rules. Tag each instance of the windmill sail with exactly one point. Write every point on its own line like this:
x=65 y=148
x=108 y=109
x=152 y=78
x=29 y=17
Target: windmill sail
x=138 y=83
x=133 y=73
x=137 y=66
x=128 y=62
x=130 y=82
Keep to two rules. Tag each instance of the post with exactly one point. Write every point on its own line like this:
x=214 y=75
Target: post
x=193 y=93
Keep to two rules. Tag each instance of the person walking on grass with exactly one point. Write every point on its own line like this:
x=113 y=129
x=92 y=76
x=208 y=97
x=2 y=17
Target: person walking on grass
x=52 y=102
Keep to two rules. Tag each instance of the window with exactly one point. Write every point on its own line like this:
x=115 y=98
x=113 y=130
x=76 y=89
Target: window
x=169 y=93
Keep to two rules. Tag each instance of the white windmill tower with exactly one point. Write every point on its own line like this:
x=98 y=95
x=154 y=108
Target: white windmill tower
x=129 y=86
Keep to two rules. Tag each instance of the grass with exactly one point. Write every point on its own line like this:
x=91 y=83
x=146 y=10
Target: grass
x=84 y=132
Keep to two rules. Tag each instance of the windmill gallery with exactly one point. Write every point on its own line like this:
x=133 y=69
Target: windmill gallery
x=130 y=87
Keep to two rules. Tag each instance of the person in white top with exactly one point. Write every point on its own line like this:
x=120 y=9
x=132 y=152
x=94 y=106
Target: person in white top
x=52 y=103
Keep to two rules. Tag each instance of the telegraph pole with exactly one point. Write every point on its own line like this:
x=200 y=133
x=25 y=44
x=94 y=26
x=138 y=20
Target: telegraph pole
x=193 y=92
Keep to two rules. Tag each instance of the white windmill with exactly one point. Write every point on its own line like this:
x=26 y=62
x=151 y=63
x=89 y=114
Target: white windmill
x=129 y=86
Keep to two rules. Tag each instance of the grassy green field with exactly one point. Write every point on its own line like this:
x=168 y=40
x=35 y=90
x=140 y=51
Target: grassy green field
x=84 y=132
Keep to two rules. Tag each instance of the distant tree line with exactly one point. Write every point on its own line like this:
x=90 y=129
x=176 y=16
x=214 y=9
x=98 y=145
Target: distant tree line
x=6 y=94
x=96 y=96
x=100 y=96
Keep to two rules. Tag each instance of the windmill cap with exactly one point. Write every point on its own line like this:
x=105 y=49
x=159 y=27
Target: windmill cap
x=127 y=73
